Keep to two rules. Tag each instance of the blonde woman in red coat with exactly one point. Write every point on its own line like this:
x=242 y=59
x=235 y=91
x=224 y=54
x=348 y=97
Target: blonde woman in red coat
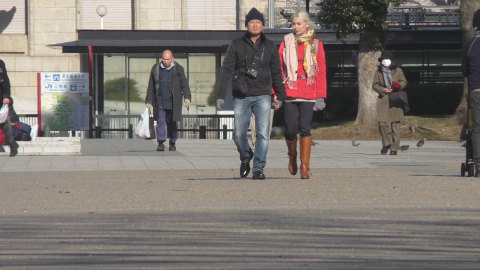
x=304 y=72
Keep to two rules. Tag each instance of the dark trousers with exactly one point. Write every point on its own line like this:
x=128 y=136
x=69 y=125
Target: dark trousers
x=298 y=119
x=165 y=118
x=474 y=103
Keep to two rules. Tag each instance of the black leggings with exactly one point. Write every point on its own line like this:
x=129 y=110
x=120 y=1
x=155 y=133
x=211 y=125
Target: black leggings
x=298 y=119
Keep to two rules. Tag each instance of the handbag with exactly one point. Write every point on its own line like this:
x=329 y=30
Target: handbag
x=151 y=126
x=2 y=137
x=398 y=98
x=239 y=84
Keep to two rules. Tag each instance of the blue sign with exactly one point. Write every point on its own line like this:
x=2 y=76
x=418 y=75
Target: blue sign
x=64 y=82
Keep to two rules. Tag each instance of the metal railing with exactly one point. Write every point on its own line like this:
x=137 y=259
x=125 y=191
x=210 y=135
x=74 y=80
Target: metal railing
x=206 y=127
x=424 y=15
x=115 y=126
x=123 y=126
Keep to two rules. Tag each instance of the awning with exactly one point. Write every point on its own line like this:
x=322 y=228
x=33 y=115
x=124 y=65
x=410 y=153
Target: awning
x=185 y=41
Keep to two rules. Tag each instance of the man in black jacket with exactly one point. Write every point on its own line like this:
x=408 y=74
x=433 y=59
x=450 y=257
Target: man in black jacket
x=166 y=88
x=471 y=70
x=253 y=63
x=5 y=96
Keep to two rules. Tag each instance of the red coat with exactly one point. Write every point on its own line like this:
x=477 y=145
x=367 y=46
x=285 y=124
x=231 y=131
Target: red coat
x=315 y=90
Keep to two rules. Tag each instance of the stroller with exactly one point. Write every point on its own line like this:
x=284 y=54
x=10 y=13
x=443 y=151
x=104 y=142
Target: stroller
x=468 y=167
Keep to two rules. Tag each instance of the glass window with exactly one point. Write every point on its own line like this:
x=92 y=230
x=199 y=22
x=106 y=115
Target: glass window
x=114 y=85
x=139 y=71
x=201 y=77
x=12 y=20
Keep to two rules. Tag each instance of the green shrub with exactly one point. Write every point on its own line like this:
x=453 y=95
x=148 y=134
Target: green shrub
x=212 y=98
x=341 y=102
x=115 y=90
x=434 y=99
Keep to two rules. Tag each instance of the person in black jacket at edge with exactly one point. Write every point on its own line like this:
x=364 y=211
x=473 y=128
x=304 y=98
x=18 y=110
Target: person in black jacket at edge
x=253 y=62
x=471 y=70
x=6 y=126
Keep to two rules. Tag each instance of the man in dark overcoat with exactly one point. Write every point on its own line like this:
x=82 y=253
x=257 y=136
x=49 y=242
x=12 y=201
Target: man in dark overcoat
x=167 y=89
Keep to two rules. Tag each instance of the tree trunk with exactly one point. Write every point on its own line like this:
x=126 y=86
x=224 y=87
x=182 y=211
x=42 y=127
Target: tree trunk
x=370 y=48
x=467 y=8
x=367 y=98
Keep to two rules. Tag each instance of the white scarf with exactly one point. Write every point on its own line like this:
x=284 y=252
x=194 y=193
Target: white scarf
x=169 y=67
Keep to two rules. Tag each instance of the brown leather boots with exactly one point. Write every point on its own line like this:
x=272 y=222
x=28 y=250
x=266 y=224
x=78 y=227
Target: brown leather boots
x=305 y=150
x=292 y=153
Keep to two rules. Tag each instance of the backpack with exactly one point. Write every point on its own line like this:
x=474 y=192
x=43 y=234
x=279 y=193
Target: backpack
x=21 y=132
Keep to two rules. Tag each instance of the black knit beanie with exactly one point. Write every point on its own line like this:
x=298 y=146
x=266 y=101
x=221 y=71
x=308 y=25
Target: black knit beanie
x=254 y=14
x=476 y=20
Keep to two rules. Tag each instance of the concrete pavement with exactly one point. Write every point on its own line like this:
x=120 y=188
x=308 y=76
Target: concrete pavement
x=135 y=154
x=122 y=205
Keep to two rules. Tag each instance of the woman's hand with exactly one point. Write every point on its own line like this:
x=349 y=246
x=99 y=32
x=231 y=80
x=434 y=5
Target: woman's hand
x=387 y=90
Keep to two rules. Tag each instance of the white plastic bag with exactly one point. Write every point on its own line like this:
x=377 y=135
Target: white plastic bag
x=3 y=113
x=142 y=130
x=33 y=133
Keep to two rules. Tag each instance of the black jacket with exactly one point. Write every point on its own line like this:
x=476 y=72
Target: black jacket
x=242 y=53
x=471 y=62
x=179 y=89
x=4 y=81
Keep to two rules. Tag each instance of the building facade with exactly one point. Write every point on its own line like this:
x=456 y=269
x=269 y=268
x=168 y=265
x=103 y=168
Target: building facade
x=53 y=35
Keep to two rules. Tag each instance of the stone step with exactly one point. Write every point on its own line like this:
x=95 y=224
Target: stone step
x=48 y=146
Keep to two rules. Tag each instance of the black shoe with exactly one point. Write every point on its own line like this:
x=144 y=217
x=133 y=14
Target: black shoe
x=258 y=175
x=245 y=167
x=171 y=147
x=384 y=150
x=14 y=148
x=13 y=151
x=393 y=152
x=160 y=146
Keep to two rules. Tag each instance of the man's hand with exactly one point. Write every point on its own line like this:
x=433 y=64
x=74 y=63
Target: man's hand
x=187 y=102
x=6 y=101
x=220 y=103
x=149 y=106
x=319 y=104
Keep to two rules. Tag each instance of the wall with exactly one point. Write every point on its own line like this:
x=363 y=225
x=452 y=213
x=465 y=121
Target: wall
x=160 y=14
x=50 y=22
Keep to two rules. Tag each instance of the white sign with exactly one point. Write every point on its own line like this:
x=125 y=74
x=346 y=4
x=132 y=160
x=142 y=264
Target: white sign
x=65 y=101
x=64 y=82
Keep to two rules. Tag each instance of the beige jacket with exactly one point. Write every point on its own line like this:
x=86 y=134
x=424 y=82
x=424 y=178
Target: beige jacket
x=384 y=112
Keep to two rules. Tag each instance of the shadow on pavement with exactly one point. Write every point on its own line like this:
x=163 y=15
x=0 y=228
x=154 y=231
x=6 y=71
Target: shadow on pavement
x=367 y=237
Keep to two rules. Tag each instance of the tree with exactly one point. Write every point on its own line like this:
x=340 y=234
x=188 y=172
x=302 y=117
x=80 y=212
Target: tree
x=368 y=18
x=467 y=8
x=115 y=90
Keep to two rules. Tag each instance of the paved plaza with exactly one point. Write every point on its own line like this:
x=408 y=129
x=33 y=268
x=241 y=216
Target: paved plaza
x=123 y=205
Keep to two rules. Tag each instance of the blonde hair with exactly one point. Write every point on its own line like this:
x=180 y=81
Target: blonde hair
x=304 y=16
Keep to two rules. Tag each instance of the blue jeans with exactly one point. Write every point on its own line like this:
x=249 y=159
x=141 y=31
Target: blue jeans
x=243 y=108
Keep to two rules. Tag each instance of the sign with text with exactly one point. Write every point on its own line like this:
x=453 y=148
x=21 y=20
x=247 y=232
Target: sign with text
x=64 y=100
